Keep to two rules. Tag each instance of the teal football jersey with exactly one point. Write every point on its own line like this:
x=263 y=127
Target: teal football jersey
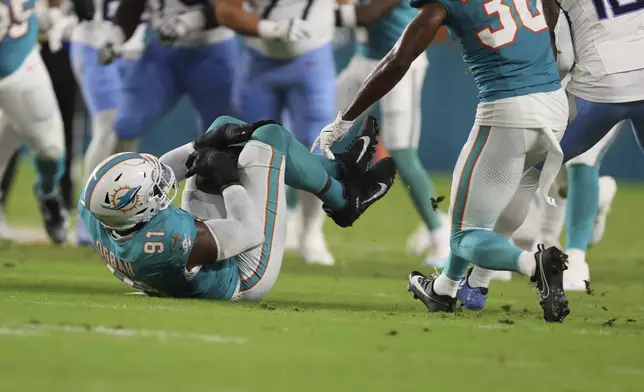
x=18 y=34
x=153 y=259
x=505 y=43
x=385 y=32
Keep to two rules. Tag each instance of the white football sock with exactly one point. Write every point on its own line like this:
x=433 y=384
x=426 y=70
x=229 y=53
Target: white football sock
x=480 y=277
x=445 y=286
x=527 y=264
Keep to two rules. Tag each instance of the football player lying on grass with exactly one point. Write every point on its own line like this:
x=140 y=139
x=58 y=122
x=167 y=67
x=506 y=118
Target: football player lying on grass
x=227 y=240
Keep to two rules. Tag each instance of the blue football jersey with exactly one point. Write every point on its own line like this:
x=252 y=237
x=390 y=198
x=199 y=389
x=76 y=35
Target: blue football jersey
x=153 y=258
x=18 y=34
x=505 y=43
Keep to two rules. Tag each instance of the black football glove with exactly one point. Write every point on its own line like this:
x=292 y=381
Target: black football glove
x=220 y=166
x=228 y=135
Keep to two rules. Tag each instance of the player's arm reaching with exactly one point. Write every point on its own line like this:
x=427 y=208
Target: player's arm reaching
x=241 y=231
x=389 y=71
x=231 y=13
x=363 y=15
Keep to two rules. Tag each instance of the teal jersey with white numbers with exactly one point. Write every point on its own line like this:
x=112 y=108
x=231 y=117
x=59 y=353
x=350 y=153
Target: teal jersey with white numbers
x=153 y=258
x=505 y=43
x=18 y=33
x=385 y=32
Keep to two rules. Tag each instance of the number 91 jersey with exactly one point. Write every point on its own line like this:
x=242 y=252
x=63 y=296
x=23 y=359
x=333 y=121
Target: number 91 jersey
x=505 y=43
x=153 y=258
x=18 y=33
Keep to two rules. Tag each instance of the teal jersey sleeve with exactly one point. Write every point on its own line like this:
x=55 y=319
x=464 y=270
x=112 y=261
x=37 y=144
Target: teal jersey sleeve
x=18 y=35
x=154 y=258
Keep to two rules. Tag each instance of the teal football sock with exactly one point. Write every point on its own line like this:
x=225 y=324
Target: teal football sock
x=304 y=171
x=485 y=249
x=49 y=173
x=420 y=187
x=291 y=198
x=582 y=205
x=455 y=267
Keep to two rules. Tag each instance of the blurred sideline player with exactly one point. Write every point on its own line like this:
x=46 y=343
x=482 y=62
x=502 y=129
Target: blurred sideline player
x=185 y=53
x=400 y=109
x=100 y=84
x=227 y=241
x=288 y=65
x=59 y=70
x=29 y=105
x=522 y=113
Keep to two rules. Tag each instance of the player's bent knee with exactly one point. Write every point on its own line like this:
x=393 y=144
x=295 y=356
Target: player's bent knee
x=274 y=135
x=50 y=152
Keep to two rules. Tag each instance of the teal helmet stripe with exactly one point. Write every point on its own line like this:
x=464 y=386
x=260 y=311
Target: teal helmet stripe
x=104 y=169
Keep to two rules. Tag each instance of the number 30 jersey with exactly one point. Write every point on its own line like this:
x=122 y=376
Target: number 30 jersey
x=505 y=43
x=18 y=33
x=608 y=40
x=153 y=258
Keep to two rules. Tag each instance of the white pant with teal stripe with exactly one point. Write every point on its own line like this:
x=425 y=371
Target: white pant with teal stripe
x=261 y=173
x=492 y=187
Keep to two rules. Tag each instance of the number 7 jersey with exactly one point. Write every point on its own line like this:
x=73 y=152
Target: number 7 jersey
x=505 y=43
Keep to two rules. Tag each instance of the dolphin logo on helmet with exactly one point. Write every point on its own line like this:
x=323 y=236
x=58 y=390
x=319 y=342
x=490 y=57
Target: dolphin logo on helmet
x=123 y=199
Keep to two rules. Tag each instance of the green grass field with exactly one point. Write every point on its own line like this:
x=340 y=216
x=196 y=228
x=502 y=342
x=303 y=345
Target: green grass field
x=67 y=325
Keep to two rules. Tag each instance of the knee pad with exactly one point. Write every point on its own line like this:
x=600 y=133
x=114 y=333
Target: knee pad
x=51 y=144
x=274 y=135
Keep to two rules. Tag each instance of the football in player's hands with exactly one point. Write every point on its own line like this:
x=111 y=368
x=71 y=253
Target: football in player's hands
x=220 y=165
x=228 y=135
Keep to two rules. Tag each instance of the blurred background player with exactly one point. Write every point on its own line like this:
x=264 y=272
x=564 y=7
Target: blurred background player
x=400 y=110
x=62 y=78
x=100 y=84
x=185 y=53
x=288 y=65
x=28 y=102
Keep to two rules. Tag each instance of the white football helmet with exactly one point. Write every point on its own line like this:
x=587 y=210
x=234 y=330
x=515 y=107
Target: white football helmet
x=129 y=188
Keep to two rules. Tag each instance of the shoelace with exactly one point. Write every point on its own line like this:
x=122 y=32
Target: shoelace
x=546 y=289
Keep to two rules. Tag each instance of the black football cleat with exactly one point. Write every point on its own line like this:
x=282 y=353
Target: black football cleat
x=55 y=218
x=423 y=290
x=362 y=192
x=551 y=263
x=357 y=158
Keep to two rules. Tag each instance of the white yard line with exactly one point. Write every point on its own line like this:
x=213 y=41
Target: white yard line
x=40 y=330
